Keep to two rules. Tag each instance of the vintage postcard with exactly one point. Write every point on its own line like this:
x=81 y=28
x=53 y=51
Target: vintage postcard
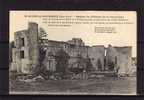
x=73 y=52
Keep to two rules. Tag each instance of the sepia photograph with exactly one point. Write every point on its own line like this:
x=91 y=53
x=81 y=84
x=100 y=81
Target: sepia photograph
x=73 y=52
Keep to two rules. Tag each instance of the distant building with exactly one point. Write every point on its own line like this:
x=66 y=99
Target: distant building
x=25 y=54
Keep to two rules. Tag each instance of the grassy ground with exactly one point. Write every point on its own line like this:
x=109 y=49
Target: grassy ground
x=91 y=86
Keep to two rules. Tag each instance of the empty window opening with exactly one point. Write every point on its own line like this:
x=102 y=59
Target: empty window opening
x=21 y=54
x=22 y=39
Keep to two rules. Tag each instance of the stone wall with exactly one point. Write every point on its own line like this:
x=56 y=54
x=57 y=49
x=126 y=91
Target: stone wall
x=124 y=61
x=33 y=43
x=101 y=58
x=121 y=58
x=111 y=57
x=97 y=54
x=29 y=48
x=18 y=63
x=76 y=41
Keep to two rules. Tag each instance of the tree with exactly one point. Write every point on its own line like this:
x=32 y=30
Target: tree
x=61 y=61
x=40 y=69
x=42 y=33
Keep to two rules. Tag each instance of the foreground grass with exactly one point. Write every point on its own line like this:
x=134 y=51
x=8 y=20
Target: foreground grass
x=93 y=86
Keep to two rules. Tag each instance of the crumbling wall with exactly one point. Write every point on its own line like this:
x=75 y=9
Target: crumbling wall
x=121 y=57
x=33 y=43
x=74 y=51
x=16 y=62
x=49 y=61
x=100 y=56
x=20 y=63
x=76 y=41
x=30 y=49
x=124 y=61
x=111 y=58
x=97 y=54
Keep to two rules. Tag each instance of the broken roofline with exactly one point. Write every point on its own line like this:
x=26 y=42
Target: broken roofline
x=86 y=45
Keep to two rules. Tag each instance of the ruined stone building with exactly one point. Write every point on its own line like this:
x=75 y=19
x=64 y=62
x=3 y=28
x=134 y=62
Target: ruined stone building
x=25 y=54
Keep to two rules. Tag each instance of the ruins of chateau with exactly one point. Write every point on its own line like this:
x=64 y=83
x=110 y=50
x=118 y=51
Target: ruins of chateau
x=25 y=54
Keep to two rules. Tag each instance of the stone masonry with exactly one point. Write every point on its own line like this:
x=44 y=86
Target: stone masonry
x=25 y=54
